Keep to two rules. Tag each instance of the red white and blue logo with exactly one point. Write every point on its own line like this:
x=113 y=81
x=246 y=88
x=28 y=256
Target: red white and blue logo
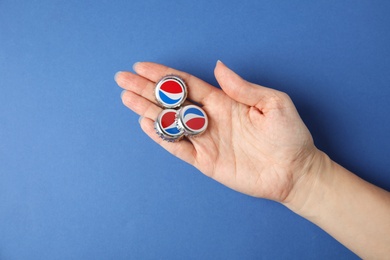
x=194 y=119
x=168 y=123
x=171 y=92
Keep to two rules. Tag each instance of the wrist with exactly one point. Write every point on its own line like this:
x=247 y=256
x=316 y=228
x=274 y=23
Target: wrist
x=353 y=211
x=311 y=188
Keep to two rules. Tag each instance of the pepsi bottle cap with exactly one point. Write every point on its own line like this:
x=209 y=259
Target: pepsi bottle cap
x=170 y=91
x=166 y=126
x=192 y=120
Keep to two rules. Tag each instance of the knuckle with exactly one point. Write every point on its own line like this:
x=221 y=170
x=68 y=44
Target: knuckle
x=279 y=100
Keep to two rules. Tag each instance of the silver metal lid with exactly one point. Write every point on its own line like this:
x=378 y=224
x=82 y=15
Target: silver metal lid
x=192 y=120
x=170 y=91
x=166 y=126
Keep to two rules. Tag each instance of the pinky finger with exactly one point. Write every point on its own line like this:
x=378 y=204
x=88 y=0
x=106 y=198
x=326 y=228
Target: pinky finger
x=184 y=150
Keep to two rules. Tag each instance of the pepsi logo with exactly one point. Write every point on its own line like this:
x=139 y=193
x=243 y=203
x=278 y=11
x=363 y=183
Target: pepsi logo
x=171 y=92
x=194 y=119
x=166 y=126
x=168 y=122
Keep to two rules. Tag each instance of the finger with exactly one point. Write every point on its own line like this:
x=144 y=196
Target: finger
x=182 y=149
x=136 y=84
x=199 y=91
x=140 y=105
x=237 y=88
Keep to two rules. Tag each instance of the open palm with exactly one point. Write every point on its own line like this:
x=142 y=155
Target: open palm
x=255 y=143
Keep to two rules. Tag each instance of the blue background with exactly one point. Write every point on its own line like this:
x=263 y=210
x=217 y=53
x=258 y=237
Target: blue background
x=80 y=180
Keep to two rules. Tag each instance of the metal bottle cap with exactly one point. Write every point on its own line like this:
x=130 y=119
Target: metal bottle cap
x=170 y=91
x=166 y=126
x=192 y=120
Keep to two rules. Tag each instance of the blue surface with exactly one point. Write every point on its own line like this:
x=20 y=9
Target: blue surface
x=80 y=180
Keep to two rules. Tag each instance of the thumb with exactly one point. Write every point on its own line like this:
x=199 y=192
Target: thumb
x=236 y=87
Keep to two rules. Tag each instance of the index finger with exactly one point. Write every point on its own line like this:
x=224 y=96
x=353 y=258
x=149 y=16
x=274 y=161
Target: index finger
x=199 y=91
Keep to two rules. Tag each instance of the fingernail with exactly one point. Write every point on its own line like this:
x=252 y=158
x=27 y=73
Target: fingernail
x=219 y=61
x=123 y=92
x=140 y=119
x=116 y=75
x=135 y=65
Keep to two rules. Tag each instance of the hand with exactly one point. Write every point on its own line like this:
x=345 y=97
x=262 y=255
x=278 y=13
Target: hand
x=255 y=143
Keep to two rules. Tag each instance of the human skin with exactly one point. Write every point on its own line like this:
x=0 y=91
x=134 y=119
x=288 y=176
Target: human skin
x=257 y=144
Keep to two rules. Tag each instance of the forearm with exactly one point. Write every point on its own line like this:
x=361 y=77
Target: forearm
x=353 y=211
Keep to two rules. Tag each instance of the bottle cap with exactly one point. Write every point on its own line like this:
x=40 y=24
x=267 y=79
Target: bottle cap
x=166 y=126
x=192 y=120
x=170 y=91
